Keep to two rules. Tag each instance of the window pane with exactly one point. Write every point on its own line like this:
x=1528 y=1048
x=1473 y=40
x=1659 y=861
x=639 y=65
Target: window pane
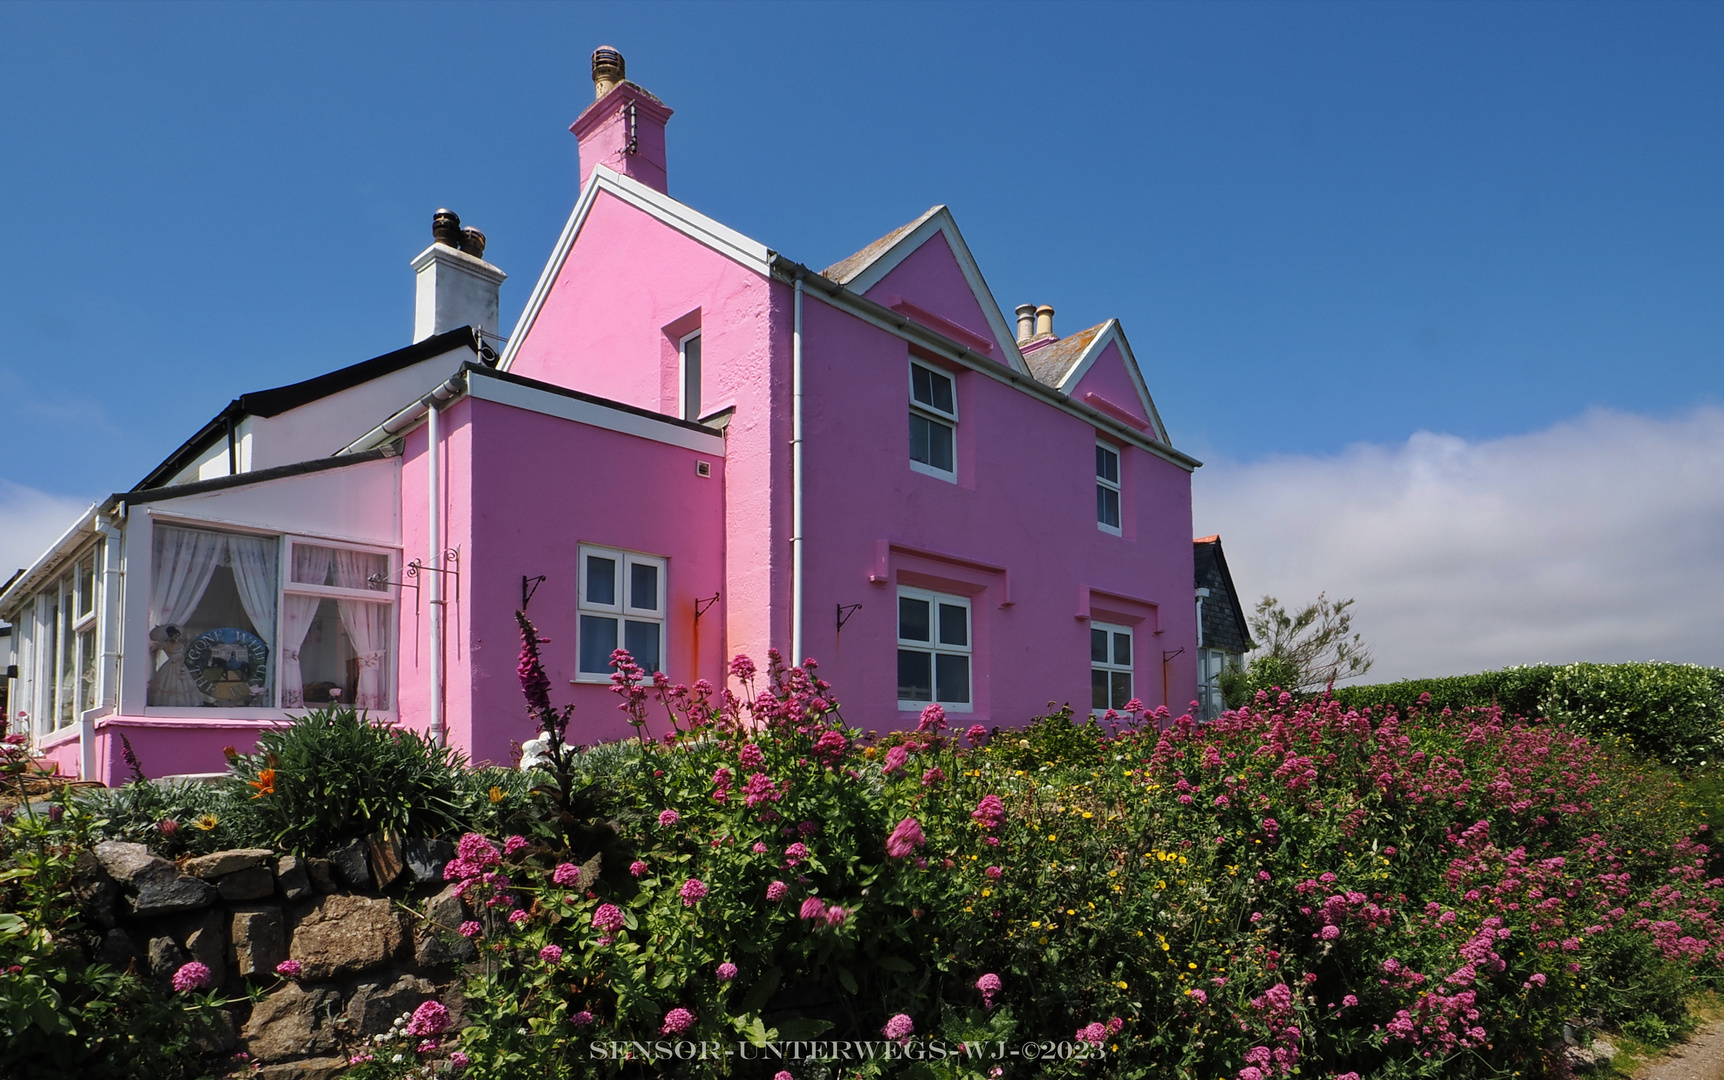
x=691 y=378
x=1122 y=649
x=1107 y=464
x=1107 y=506
x=921 y=385
x=68 y=664
x=1097 y=689
x=643 y=586
x=87 y=586
x=50 y=659
x=1121 y=688
x=314 y=565
x=598 y=641
x=942 y=387
x=954 y=625
x=915 y=675
x=87 y=670
x=213 y=647
x=641 y=640
x=921 y=440
x=601 y=583
x=952 y=678
x=913 y=616
x=1098 y=646
x=940 y=446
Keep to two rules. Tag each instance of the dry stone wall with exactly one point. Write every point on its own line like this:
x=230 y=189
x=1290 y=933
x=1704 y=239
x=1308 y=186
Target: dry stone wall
x=372 y=927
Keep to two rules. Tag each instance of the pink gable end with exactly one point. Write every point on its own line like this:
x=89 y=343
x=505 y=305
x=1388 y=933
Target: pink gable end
x=930 y=288
x=1107 y=387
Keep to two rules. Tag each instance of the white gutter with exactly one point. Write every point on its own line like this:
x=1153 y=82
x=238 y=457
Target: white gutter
x=796 y=651
x=50 y=561
x=404 y=419
x=434 y=557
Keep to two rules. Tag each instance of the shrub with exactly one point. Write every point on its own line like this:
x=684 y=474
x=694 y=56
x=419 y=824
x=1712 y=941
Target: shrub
x=1515 y=690
x=1290 y=887
x=1673 y=711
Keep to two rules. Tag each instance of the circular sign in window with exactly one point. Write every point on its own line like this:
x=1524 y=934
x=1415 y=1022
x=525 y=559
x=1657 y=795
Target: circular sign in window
x=229 y=665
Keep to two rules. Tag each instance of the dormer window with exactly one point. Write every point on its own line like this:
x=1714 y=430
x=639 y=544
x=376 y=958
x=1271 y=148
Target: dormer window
x=933 y=418
x=1107 y=488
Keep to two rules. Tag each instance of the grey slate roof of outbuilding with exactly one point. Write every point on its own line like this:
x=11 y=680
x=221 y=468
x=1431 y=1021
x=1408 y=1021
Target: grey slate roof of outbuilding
x=1223 y=615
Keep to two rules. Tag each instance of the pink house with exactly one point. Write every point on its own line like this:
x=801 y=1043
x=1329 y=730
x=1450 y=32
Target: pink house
x=690 y=446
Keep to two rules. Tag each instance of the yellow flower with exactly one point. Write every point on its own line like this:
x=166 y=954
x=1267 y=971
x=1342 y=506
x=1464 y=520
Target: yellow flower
x=206 y=822
x=1121 y=984
x=496 y=795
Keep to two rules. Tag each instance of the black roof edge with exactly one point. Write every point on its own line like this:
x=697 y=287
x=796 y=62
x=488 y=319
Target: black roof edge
x=563 y=391
x=1232 y=592
x=276 y=401
x=199 y=487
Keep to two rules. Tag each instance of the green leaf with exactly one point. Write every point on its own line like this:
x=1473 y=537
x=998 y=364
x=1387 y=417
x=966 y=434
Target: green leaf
x=760 y=992
x=802 y=1028
x=756 y=1032
x=847 y=979
x=894 y=963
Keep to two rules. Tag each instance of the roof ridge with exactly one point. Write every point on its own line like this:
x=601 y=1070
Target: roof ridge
x=847 y=269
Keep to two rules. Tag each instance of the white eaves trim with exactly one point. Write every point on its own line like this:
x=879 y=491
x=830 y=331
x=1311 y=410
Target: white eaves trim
x=1113 y=332
x=941 y=221
x=697 y=226
x=49 y=561
x=581 y=411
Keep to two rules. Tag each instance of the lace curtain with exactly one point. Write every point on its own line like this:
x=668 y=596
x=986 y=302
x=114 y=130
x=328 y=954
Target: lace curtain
x=252 y=560
x=297 y=615
x=185 y=559
x=367 y=627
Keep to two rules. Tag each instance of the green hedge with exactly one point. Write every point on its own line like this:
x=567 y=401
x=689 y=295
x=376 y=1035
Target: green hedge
x=1672 y=711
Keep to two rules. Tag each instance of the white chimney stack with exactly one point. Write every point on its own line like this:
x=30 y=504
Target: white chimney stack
x=456 y=287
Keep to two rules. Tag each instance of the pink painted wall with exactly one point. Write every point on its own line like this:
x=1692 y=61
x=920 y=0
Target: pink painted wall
x=525 y=490
x=603 y=131
x=630 y=287
x=930 y=278
x=1024 y=502
x=1107 y=377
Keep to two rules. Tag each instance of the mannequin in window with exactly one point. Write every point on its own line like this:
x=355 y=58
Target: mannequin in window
x=170 y=682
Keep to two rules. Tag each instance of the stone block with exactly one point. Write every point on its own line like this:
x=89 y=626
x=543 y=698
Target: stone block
x=210 y=867
x=425 y=859
x=166 y=957
x=214 y=1032
x=374 y=1006
x=124 y=861
x=352 y=864
x=293 y=878
x=322 y=873
x=161 y=890
x=385 y=853
x=118 y=950
x=259 y=940
x=206 y=941
x=253 y=883
x=322 y=1068
x=95 y=890
x=346 y=935
x=292 y=1022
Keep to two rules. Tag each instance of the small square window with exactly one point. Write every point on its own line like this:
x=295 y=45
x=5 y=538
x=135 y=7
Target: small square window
x=622 y=605
x=934 y=647
x=1110 y=667
x=933 y=419
x=1107 y=488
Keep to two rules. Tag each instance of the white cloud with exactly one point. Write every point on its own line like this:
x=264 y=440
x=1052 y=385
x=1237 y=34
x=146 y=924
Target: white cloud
x=1601 y=538
x=30 y=520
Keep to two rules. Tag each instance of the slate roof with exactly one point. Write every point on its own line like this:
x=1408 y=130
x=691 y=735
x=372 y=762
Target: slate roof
x=847 y=270
x=1051 y=363
x=1223 y=616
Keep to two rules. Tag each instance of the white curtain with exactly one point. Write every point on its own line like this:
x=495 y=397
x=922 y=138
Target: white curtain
x=367 y=627
x=252 y=560
x=310 y=564
x=184 y=561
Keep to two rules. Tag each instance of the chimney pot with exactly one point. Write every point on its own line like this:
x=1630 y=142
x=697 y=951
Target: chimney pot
x=446 y=227
x=608 y=70
x=473 y=242
x=1045 y=321
x=1026 y=322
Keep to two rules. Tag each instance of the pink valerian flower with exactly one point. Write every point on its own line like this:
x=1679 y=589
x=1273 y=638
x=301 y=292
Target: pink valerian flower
x=667 y=818
x=459 y=1060
x=795 y=853
x=637 y=868
x=759 y=847
x=750 y=756
x=760 y=788
x=905 y=838
x=475 y=849
x=192 y=976
x=895 y=759
x=726 y=971
x=933 y=776
x=514 y=844
x=1093 y=1034
x=783 y=1074
x=1115 y=1025
x=1348 y=1076
x=776 y=891
x=1198 y=996
x=471 y=929
x=976 y=734
x=608 y=918
x=812 y=908
x=566 y=874
x=1251 y=1072
x=1328 y=933
x=836 y=915
x=1349 y=1001
x=581 y=1019
x=721 y=780
x=900 y=1027
x=831 y=748
x=677 y=1021
x=288 y=969
x=742 y=669
x=551 y=954
x=431 y=1018
x=693 y=891
x=933 y=720
x=989 y=812
x=993 y=872
x=990 y=987
x=427 y=1046
x=517 y=917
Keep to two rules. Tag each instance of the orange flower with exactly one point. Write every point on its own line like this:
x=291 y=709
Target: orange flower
x=265 y=783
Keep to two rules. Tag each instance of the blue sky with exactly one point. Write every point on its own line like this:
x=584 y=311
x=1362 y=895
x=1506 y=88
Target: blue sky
x=1322 y=225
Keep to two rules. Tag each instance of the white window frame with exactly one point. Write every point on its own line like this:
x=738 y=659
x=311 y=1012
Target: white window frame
x=1211 y=663
x=622 y=610
x=385 y=595
x=688 y=405
x=935 y=648
x=1110 y=666
x=1102 y=484
x=56 y=624
x=934 y=414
